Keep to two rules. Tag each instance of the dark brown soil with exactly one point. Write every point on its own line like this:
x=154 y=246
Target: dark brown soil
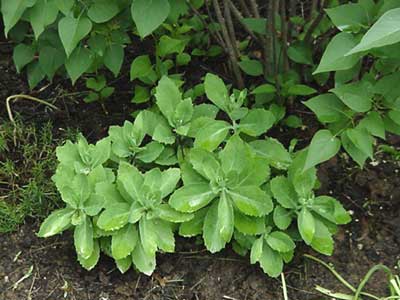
x=373 y=237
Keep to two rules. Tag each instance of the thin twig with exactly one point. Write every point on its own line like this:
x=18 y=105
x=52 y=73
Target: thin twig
x=338 y=276
x=284 y=28
x=237 y=14
x=217 y=37
x=254 y=8
x=315 y=23
x=230 y=27
x=26 y=97
x=313 y=9
x=229 y=46
x=245 y=9
x=284 y=287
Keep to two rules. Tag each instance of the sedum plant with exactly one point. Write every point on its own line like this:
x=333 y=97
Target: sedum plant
x=191 y=169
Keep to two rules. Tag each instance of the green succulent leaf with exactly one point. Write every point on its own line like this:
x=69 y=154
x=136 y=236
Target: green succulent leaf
x=114 y=217
x=256 y=250
x=212 y=135
x=206 y=164
x=124 y=241
x=249 y=225
x=191 y=198
x=306 y=225
x=124 y=264
x=167 y=213
x=213 y=240
x=145 y=262
x=257 y=122
x=225 y=222
x=56 y=222
x=90 y=262
x=330 y=209
x=168 y=97
x=280 y=241
x=83 y=237
x=271 y=261
x=283 y=191
x=195 y=225
x=150 y=152
x=165 y=236
x=273 y=151
x=216 y=91
x=282 y=217
x=322 y=240
x=148 y=236
x=251 y=200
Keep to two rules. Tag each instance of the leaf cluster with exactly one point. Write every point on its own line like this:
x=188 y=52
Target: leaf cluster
x=204 y=170
x=364 y=104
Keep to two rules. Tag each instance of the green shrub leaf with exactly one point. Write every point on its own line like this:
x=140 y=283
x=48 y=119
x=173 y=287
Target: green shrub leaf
x=385 y=31
x=357 y=96
x=72 y=31
x=146 y=23
x=102 y=11
x=334 y=57
x=23 y=55
x=322 y=148
x=327 y=107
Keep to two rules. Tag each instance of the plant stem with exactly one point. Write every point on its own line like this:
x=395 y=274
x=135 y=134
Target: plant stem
x=217 y=37
x=230 y=27
x=27 y=97
x=284 y=288
x=284 y=28
x=315 y=23
x=237 y=14
x=245 y=9
x=340 y=278
x=368 y=277
x=254 y=8
x=333 y=271
x=229 y=46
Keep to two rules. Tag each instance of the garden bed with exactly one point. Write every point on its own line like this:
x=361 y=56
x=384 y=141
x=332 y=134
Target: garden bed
x=33 y=268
